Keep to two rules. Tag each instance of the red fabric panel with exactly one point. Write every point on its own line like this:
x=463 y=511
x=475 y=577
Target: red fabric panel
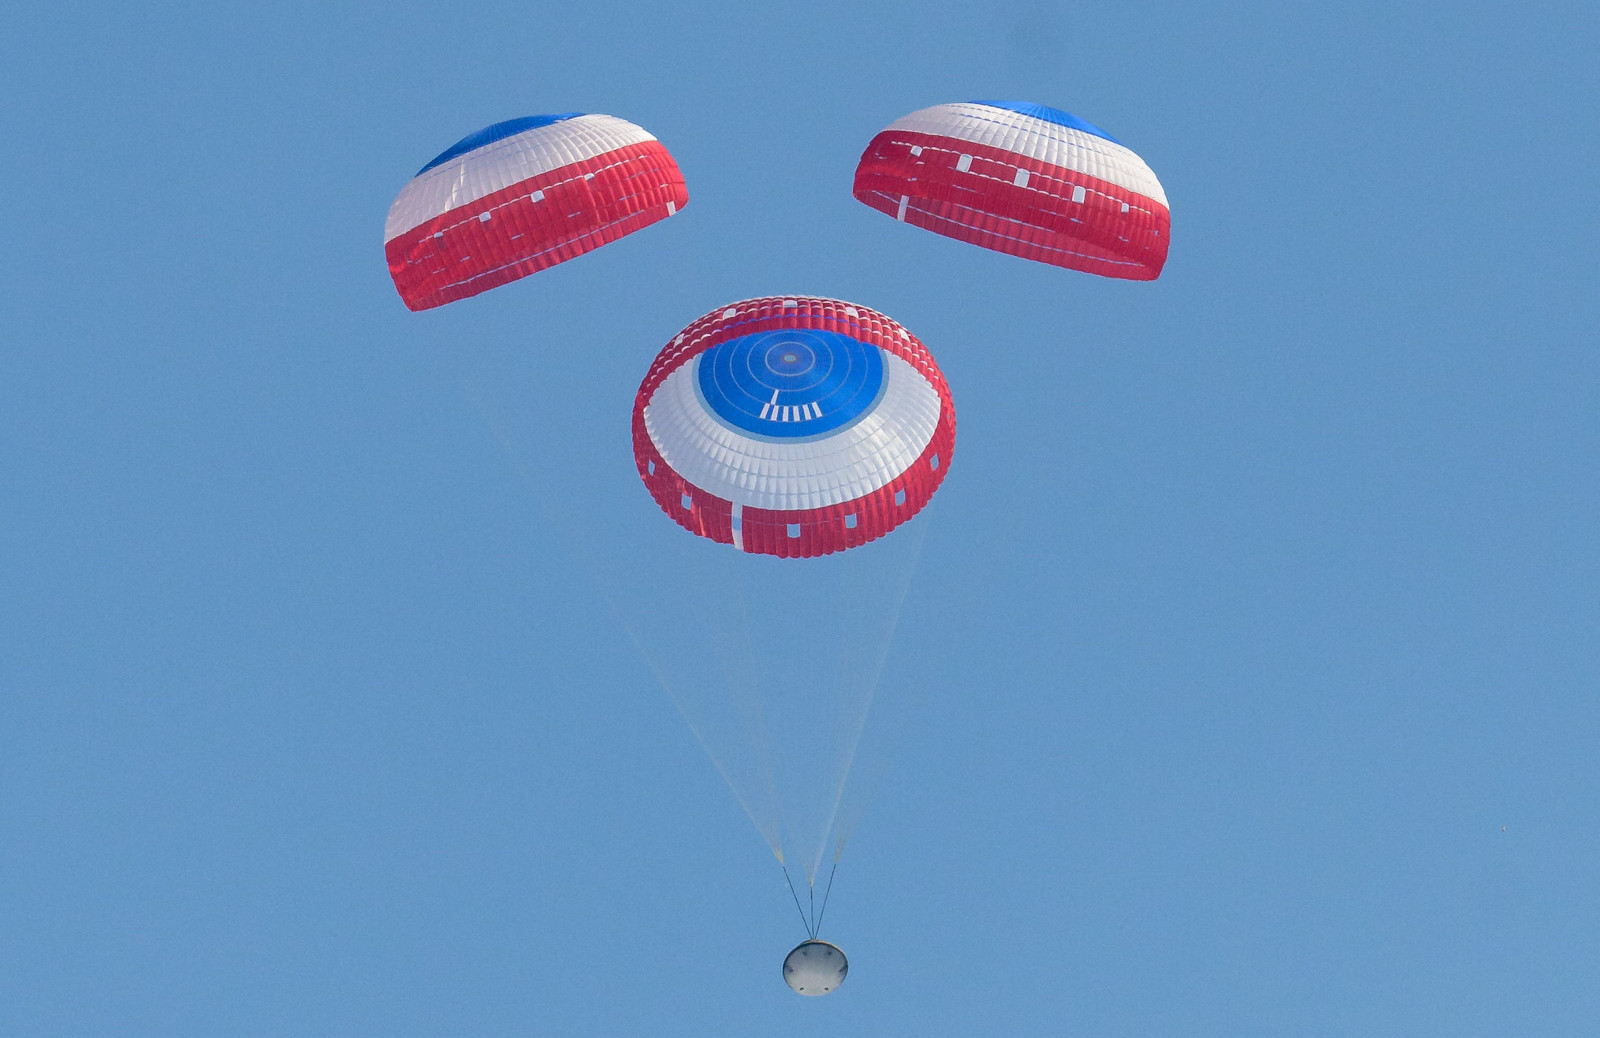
x=1040 y=221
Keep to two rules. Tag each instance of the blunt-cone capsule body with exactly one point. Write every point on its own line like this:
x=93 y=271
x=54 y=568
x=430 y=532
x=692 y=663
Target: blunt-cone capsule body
x=815 y=968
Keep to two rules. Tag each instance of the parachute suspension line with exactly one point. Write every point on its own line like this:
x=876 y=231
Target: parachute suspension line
x=817 y=928
x=845 y=829
x=803 y=920
x=499 y=430
x=747 y=693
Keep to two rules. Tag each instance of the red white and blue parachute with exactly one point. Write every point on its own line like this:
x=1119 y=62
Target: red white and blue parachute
x=523 y=195
x=793 y=426
x=1021 y=179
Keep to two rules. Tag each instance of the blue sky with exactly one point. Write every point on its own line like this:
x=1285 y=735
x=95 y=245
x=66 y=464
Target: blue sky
x=1253 y=642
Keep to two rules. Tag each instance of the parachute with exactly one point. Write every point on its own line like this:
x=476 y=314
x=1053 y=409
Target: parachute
x=523 y=195
x=1022 y=179
x=793 y=426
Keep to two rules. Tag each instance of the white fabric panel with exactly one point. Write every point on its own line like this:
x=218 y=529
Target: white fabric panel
x=1045 y=141
x=494 y=167
x=841 y=466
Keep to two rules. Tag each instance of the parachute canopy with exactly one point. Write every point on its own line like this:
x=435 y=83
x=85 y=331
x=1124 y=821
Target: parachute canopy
x=1022 y=179
x=523 y=195
x=793 y=426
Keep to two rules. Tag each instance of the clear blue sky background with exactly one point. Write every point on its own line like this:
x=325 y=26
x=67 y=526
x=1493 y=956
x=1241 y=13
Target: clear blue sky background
x=1256 y=627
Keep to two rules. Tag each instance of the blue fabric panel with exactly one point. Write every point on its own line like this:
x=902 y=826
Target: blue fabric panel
x=497 y=132
x=820 y=381
x=1050 y=115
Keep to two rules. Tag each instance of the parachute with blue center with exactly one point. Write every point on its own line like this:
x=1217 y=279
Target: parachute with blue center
x=795 y=436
